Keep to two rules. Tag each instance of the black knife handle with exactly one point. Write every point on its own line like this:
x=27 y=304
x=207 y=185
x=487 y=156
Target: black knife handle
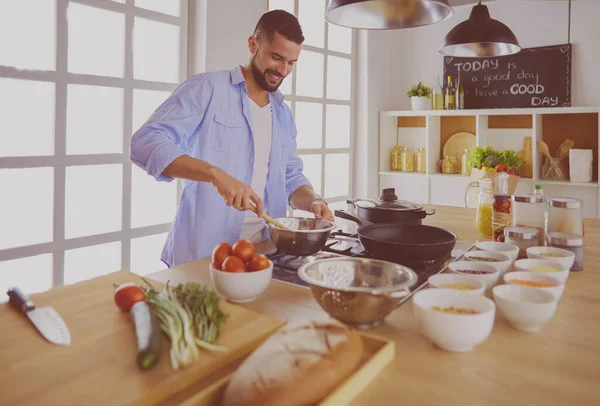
x=20 y=300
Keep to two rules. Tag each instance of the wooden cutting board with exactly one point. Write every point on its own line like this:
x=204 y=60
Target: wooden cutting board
x=99 y=368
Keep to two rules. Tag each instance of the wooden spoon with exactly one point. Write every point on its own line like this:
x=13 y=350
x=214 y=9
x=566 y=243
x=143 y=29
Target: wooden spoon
x=543 y=147
x=269 y=219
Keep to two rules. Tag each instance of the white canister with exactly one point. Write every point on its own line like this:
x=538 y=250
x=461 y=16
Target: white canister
x=580 y=165
x=565 y=215
x=530 y=211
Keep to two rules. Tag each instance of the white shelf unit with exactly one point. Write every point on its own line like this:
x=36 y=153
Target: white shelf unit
x=499 y=128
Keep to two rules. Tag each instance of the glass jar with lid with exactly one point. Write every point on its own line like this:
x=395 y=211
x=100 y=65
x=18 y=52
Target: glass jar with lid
x=522 y=237
x=465 y=170
x=408 y=160
x=565 y=215
x=530 y=211
x=571 y=242
x=395 y=158
x=421 y=159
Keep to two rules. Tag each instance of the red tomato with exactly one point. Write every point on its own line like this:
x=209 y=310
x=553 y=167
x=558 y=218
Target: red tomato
x=127 y=295
x=243 y=249
x=233 y=264
x=219 y=254
x=258 y=263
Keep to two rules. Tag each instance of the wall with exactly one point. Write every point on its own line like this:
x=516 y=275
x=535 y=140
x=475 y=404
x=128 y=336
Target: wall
x=400 y=58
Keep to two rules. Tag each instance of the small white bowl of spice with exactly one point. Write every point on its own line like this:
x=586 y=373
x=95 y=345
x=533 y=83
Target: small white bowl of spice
x=564 y=257
x=545 y=267
x=457 y=282
x=454 y=320
x=482 y=271
x=537 y=281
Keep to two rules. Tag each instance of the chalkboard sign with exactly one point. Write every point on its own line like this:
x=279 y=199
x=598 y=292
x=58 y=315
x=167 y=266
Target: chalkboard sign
x=535 y=77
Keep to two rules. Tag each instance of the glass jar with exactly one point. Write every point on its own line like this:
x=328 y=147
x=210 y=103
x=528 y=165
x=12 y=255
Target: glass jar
x=522 y=237
x=421 y=160
x=408 y=160
x=571 y=242
x=501 y=215
x=449 y=164
x=464 y=167
x=565 y=215
x=530 y=211
x=395 y=158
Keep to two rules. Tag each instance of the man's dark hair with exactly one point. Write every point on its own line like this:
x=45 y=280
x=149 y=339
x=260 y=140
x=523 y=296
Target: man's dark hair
x=279 y=21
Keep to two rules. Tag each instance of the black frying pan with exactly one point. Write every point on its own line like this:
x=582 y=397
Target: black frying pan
x=402 y=243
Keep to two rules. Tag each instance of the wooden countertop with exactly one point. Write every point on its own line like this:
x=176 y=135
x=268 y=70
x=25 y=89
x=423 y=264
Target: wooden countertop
x=558 y=365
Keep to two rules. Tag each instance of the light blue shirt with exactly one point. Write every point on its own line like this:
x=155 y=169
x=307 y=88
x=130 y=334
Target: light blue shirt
x=208 y=117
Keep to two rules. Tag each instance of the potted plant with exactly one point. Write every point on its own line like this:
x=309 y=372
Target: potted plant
x=420 y=97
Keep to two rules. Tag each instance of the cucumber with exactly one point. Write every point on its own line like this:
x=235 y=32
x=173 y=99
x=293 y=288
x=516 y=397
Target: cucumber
x=148 y=334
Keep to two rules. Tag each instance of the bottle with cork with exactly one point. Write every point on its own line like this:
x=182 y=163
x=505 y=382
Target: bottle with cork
x=449 y=95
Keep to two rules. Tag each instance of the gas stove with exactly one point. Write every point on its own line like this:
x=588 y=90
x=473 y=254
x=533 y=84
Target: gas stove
x=346 y=244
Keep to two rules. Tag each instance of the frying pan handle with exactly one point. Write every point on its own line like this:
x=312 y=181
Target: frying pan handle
x=345 y=215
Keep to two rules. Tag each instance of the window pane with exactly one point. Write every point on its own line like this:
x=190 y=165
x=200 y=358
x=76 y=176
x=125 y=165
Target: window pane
x=289 y=103
x=102 y=106
x=337 y=126
x=144 y=104
x=286 y=85
x=28 y=38
x=337 y=174
x=287 y=5
x=31 y=275
x=145 y=254
x=339 y=38
x=26 y=206
x=93 y=199
x=26 y=123
x=155 y=41
x=312 y=170
x=309 y=69
x=311 y=14
x=162 y=6
x=339 y=74
x=144 y=189
x=78 y=267
x=94 y=48
x=309 y=123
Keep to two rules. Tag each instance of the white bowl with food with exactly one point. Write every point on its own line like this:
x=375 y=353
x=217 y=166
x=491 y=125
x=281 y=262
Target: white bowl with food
x=562 y=256
x=497 y=259
x=457 y=282
x=510 y=250
x=241 y=287
x=525 y=308
x=483 y=271
x=536 y=280
x=454 y=320
x=544 y=267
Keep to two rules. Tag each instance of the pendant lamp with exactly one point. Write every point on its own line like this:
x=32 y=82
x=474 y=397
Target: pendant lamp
x=480 y=36
x=386 y=14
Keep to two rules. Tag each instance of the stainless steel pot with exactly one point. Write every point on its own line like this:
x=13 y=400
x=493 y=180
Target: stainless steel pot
x=305 y=236
x=356 y=291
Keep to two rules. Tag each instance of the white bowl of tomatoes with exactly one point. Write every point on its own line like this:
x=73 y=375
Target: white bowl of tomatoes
x=238 y=273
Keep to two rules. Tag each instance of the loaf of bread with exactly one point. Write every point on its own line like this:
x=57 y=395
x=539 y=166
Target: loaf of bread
x=299 y=365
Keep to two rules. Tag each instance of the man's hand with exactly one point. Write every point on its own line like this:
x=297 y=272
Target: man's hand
x=235 y=193
x=321 y=211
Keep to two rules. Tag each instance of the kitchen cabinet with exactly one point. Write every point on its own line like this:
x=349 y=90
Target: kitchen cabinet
x=499 y=128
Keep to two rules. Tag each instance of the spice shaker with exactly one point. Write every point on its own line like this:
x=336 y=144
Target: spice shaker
x=570 y=242
x=522 y=237
x=530 y=211
x=565 y=215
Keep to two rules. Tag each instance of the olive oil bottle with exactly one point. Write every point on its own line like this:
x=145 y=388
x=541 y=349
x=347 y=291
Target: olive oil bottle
x=460 y=94
x=449 y=95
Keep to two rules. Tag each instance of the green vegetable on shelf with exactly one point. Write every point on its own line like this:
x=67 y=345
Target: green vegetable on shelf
x=489 y=158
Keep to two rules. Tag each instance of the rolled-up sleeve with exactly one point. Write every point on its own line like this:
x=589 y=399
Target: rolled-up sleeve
x=168 y=132
x=294 y=177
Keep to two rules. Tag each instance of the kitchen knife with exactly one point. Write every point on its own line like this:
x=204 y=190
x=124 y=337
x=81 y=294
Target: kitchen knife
x=46 y=320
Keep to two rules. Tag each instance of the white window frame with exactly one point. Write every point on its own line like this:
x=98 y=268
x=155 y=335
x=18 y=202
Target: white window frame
x=324 y=101
x=60 y=160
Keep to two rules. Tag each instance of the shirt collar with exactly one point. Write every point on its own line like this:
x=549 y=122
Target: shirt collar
x=237 y=77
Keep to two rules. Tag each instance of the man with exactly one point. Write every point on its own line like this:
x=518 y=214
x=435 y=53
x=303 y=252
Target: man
x=231 y=136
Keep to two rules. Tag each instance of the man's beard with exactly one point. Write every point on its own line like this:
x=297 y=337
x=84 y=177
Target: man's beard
x=261 y=77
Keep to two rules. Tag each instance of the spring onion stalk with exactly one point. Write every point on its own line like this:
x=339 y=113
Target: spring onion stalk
x=190 y=316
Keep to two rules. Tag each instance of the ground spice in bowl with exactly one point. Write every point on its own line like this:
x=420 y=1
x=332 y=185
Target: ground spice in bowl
x=534 y=284
x=458 y=286
x=454 y=310
x=474 y=271
x=483 y=259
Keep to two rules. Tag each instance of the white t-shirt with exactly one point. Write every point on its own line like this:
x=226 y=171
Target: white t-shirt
x=262 y=130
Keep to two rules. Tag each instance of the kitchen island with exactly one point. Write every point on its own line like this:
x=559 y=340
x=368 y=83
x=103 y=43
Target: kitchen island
x=560 y=364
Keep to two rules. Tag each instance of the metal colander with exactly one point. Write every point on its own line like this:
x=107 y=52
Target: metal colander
x=356 y=291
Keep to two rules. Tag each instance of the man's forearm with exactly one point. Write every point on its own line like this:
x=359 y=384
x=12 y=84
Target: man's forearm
x=302 y=198
x=186 y=167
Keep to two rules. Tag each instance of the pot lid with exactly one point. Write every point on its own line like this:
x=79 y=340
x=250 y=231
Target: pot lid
x=398 y=205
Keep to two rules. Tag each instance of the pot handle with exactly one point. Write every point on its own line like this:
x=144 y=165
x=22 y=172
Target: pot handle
x=429 y=212
x=345 y=215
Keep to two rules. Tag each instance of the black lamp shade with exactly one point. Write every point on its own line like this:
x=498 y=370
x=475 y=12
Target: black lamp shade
x=480 y=36
x=387 y=14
